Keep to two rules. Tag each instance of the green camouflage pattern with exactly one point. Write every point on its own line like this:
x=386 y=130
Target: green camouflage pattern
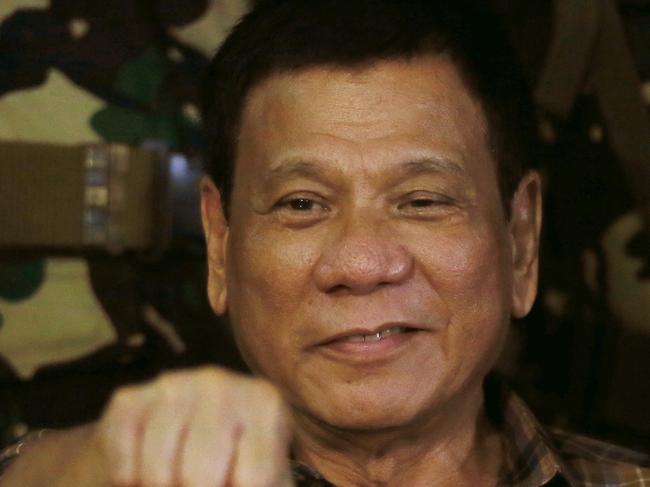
x=84 y=72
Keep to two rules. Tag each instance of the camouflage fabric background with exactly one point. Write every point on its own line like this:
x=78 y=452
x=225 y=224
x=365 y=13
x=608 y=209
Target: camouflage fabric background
x=129 y=71
x=115 y=71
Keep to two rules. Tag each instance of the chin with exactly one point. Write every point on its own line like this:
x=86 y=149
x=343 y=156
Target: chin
x=364 y=410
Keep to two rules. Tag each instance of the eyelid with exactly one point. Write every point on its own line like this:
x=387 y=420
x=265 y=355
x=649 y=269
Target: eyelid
x=434 y=197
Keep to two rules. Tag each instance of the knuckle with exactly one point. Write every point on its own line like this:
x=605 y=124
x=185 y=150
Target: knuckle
x=210 y=375
x=112 y=422
x=202 y=378
x=122 y=400
x=216 y=384
x=167 y=386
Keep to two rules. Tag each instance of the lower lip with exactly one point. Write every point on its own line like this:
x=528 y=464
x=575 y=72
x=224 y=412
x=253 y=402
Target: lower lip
x=369 y=351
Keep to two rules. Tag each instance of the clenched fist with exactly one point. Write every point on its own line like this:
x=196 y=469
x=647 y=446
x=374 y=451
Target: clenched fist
x=201 y=428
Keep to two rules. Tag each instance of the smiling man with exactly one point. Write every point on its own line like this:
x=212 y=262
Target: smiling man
x=372 y=226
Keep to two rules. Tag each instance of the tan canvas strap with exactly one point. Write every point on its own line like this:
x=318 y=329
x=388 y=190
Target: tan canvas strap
x=103 y=196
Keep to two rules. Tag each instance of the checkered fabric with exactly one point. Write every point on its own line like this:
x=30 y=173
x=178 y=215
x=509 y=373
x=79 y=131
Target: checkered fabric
x=538 y=457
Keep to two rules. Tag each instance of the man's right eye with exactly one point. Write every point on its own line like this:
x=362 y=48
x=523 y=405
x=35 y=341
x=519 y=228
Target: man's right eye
x=301 y=204
x=301 y=211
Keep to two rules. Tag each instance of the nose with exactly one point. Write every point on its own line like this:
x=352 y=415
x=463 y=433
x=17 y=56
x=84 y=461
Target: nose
x=362 y=257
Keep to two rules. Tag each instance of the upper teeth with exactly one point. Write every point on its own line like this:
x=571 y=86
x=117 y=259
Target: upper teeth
x=375 y=336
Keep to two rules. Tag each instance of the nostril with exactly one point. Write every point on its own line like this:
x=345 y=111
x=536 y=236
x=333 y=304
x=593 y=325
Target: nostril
x=357 y=288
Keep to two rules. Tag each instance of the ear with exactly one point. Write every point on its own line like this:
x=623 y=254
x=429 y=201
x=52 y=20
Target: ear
x=525 y=227
x=215 y=228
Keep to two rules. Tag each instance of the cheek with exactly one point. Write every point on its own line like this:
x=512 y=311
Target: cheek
x=465 y=258
x=268 y=279
x=469 y=269
x=270 y=266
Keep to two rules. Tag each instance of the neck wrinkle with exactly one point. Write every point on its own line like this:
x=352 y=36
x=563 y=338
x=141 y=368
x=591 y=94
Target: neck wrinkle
x=445 y=445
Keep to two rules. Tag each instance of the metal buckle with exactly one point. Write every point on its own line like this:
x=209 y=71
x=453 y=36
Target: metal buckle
x=106 y=168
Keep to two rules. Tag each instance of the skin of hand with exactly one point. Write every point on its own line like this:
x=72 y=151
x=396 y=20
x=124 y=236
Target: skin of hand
x=202 y=428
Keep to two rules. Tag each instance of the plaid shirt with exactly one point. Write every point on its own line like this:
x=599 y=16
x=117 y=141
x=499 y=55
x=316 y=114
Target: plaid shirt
x=534 y=456
x=538 y=457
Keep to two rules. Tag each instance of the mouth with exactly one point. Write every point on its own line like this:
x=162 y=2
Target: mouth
x=374 y=336
x=369 y=345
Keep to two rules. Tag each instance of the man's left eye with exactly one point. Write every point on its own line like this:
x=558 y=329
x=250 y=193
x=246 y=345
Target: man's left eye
x=421 y=203
x=417 y=202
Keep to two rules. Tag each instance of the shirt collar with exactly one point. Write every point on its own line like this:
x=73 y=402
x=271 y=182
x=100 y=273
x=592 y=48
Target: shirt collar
x=531 y=459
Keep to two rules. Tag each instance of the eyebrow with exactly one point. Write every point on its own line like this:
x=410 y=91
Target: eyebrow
x=295 y=168
x=427 y=165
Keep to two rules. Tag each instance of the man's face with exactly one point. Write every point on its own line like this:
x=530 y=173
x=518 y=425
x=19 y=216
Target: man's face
x=367 y=201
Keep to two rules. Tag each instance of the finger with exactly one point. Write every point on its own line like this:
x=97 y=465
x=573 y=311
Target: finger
x=262 y=450
x=119 y=433
x=163 y=432
x=207 y=453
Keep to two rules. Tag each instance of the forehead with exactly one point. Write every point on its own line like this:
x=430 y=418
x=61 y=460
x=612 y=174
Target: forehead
x=372 y=112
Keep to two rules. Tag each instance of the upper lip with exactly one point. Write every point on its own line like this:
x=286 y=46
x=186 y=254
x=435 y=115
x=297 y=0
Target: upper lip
x=369 y=331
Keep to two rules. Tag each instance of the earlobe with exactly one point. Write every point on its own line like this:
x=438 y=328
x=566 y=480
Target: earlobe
x=215 y=229
x=525 y=229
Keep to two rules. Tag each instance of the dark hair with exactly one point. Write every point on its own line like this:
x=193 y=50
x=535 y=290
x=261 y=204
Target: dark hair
x=287 y=35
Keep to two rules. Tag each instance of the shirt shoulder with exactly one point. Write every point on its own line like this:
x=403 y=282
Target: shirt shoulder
x=596 y=463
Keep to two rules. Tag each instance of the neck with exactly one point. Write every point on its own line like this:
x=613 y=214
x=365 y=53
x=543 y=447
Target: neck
x=457 y=446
